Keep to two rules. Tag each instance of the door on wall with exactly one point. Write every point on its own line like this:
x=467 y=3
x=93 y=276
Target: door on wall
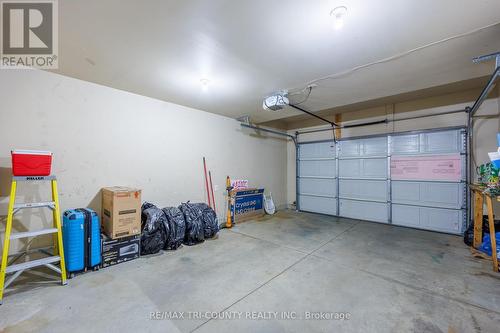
x=411 y=179
x=317 y=185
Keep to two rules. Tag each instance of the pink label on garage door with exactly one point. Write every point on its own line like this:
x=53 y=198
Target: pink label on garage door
x=436 y=167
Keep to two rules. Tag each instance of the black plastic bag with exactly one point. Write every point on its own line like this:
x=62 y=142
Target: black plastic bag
x=153 y=232
x=193 y=215
x=177 y=226
x=210 y=221
x=469 y=233
x=145 y=206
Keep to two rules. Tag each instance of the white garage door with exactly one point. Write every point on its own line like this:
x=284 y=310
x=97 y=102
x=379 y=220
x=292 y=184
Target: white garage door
x=415 y=180
x=317 y=178
x=363 y=179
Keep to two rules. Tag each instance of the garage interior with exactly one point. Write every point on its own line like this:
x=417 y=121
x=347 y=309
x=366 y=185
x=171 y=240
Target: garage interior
x=250 y=166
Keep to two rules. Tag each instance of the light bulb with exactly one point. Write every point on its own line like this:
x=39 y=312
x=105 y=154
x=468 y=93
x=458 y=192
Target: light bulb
x=204 y=83
x=338 y=14
x=339 y=23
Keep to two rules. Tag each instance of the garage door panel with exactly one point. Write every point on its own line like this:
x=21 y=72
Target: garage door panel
x=441 y=142
x=375 y=147
x=434 y=194
x=318 y=204
x=321 y=168
x=364 y=210
x=318 y=186
x=375 y=168
x=438 y=219
x=350 y=168
x=363 y=189
x=464 y=167
x=363 y=147
x=317 y=150
x=363 y=168
x=405 y=144
x=349 y=148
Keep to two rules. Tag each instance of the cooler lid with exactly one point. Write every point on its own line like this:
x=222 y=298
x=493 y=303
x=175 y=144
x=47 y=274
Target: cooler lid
x=30 y=152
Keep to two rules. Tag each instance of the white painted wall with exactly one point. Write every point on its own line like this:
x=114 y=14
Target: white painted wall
x=102 y=136
x=485 y=130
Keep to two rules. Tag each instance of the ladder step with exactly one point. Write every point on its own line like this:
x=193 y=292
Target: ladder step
x=18 y=235
x=30 y=264
x=33 y=178
x=50 y=204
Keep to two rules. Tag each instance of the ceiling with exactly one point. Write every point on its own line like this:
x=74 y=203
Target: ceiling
x=249 y=49
x=461 y=92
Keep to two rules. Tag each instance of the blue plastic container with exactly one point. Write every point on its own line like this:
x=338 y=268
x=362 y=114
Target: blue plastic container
x=495 y=159
x=81 y=239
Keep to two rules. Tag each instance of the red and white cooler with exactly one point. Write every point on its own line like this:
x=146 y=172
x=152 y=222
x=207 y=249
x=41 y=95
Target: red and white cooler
x=31 y=162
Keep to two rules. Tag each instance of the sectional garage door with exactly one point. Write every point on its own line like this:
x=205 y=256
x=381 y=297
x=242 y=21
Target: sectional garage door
x=413 y=179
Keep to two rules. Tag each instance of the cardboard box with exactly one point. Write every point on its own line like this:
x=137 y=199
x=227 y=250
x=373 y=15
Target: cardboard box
x=121 y=211
x=247 y=204
x=116 y=251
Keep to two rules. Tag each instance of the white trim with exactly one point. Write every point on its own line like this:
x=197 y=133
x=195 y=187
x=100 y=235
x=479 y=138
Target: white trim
x=30 y=152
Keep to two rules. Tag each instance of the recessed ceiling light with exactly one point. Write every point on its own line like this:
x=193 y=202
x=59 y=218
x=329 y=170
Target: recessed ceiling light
x=339 y=13
x=205 y=82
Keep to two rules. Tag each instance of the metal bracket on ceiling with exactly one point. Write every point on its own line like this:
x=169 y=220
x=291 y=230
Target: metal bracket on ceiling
x=488 y=57
x=244 y=119
x=268 y=130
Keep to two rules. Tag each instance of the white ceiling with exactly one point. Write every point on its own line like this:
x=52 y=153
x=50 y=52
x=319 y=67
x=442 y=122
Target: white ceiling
x=248 y=49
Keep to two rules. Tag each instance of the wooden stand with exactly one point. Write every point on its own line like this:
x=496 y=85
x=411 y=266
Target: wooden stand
x=479 y=197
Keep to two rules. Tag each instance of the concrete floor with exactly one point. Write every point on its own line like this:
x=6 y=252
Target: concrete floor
x=389 y=279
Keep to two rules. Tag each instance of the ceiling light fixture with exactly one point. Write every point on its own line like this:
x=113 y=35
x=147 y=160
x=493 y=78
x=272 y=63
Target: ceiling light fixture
x=204 y=83
x=339 y=13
